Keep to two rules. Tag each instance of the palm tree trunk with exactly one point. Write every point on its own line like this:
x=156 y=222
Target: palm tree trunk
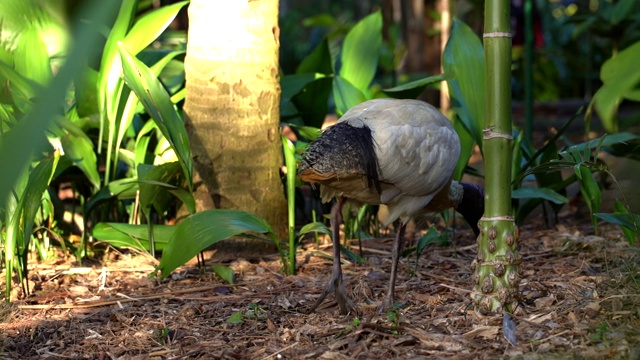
x=232 y=107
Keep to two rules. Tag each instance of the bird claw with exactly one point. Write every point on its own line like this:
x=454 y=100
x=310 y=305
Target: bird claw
x=345 y=303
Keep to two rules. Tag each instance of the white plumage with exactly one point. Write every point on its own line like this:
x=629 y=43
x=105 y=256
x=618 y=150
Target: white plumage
x=401 y=153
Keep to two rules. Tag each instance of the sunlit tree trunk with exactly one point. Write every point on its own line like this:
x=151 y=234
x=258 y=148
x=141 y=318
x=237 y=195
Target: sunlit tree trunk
x=232 y=107
x=497 y=265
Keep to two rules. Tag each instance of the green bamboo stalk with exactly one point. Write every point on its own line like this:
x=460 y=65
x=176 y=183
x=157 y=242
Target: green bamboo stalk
x=497 y=264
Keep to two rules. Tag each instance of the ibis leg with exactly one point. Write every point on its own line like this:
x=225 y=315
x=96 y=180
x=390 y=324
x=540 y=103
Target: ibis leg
x=395 y=257
x=335 y=283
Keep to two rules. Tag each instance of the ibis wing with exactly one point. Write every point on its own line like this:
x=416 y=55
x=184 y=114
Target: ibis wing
x=416 y=146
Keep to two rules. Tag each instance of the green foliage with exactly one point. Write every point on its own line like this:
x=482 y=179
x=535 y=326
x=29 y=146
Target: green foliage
x=133 y=236
x=620 y=77
x=290 y=162
x=305 y=95
x=206 y=228
x=463 y=63
x=225 y=273
x=628 y=222
x=156 y=101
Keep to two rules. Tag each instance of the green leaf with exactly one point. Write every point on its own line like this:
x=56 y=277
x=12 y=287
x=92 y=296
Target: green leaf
x=319 y=61
x=467 y=143
x=294 y=84
x=133 y=236
x=291 y=164
x=627 y=220
x=27 y=136
x=311 y=101
x=411 y=90
x=430 y=237
x=158 y=104
x=590 y=190
x=22 y=215
x=605 y=140
x=79 y=149
x=22 y=89
x=345 y=95
x=198 y=231
x=156 y=182
x=126 y=188
x=109 y=82
x=236 y=318
x=31 y=57
x=622 y=10
x=224 y=272
x=361 y=51
x=543 y=193
x=463 y=63
x=150 y=26
x=620 y=75
x=631 y=233
x=313 y=227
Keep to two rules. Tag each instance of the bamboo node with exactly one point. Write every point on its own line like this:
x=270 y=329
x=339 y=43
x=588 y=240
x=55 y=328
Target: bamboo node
x=497 y=218
x=497 y=34
x=488 y=133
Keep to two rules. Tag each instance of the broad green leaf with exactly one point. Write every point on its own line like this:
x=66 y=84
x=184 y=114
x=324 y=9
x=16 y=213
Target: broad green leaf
x=154 y=180
x=7 y=119
x=361 y=51
x=158 y=104
x=293 y=84
x=467 y=143
x=630 y=233
x=198 y=231
x=126 y=188
x=428 y=238
x=86 y=93
x=323 y=19
x=542 y=193
x=22 y=216
x=629 y=221
x=79 y=149
x=133 y=236
x=319 y=61
x=620 y=75
x=463 y=63
x=28 y=135
x=313 y=227
x=310 y=133
x=605 y=140
x=22 y=88
x=150 y=26
x=311 y=101
x=412 y=89
x=224 y=272
x=31 y=57
x=345 y=95
x=109 y=81
x=622 y=10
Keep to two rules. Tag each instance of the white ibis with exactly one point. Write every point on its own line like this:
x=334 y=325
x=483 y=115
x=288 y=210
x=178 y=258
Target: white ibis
x=401 y=153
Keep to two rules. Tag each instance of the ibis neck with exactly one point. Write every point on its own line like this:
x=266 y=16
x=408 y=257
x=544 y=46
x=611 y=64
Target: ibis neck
x=471 y=205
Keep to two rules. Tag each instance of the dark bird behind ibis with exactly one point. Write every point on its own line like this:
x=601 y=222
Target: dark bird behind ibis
x=401 y=153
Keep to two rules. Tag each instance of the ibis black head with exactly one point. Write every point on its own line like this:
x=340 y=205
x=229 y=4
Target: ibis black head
x=472 y=205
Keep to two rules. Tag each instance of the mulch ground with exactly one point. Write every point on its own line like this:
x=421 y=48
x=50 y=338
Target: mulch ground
x=580 y=297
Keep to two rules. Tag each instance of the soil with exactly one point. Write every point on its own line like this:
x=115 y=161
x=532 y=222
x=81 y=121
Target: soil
x=579 y=299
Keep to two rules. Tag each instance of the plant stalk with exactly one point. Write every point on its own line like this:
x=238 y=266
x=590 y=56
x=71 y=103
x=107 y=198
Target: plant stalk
x=497 y=264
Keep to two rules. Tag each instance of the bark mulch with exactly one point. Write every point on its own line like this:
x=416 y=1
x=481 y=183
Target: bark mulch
x=580 y=297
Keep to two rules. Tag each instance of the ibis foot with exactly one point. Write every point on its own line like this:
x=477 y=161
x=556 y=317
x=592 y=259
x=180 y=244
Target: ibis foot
x=342 y=298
